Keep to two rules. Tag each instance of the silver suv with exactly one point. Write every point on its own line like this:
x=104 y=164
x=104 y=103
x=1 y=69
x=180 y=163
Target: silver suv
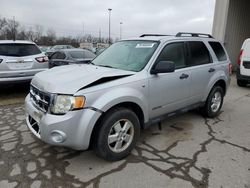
x=20 y=61
x=131 y=85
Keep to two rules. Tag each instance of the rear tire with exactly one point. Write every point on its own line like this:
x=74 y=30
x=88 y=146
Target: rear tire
x=214 y=102
x=117 y=134
x=241 y=83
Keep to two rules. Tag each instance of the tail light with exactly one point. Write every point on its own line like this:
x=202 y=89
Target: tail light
x=230 y=68
x=239 y=57
x=42 y=59
x=1 y=60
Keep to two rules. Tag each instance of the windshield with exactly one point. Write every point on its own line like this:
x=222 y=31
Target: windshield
x=127 y=55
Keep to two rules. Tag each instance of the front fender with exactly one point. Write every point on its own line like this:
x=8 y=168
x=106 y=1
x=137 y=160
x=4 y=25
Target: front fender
x=113 y=97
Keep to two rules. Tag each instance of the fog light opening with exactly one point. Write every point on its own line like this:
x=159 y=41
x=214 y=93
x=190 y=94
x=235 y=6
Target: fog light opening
x=58 y=136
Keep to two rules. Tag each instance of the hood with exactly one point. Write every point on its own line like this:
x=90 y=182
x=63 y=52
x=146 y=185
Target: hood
x=72 y=78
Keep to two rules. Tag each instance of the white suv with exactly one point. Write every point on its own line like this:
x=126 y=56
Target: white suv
x=243 y=71
x=20 y=61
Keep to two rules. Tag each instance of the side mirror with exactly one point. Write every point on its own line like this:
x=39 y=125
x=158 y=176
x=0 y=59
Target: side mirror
x=163 y=67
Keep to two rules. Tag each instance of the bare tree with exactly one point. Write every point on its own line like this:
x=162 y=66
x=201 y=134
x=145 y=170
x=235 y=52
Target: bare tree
x=51 y=36
x=30 y=34
x=11 y=29
x=22 y=34
x=38 y=33
x=89 y=38
x=3 y=23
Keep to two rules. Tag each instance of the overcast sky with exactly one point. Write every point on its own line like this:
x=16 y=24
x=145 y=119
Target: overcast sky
x=138 y=16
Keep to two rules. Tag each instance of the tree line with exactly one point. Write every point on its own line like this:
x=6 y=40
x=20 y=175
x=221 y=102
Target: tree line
x=10 y=29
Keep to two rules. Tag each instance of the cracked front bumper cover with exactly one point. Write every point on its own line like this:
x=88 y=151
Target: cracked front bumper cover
x=76 y=125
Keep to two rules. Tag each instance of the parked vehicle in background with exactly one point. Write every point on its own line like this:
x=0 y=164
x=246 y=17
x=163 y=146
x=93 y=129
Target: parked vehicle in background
x=70 y=56
x=243 y=69
x=20 y=61
x=44 y=48
x=131 y=85
x=56 y=48
x=100 y=47
x=99 y=51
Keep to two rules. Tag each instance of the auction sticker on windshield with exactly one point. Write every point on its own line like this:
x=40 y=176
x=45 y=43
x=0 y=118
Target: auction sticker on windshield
x=145 y=45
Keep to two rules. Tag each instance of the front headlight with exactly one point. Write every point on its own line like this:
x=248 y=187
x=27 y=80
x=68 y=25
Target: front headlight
x=64 y=103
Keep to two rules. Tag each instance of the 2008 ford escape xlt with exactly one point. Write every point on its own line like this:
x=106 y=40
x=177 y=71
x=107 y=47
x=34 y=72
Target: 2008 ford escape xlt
x=132 y=84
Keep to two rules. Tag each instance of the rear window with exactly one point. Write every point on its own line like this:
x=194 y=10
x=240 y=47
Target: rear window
x=81 y=54
x=218 y=50
x=18 y=50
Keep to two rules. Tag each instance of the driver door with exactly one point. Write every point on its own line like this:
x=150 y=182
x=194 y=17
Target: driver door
x=169 y=92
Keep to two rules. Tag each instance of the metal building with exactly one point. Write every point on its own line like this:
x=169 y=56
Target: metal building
x=232 y=24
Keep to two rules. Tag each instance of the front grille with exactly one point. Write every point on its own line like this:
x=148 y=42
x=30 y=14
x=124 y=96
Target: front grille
x=246 y=64
x=34 y=125
x=40 y=99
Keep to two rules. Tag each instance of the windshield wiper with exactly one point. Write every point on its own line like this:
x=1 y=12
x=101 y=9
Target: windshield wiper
x=86 y=62
x=108 y=66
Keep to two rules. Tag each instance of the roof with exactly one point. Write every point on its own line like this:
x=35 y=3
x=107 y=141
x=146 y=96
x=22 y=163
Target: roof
x=16 y=42
x=163 y=38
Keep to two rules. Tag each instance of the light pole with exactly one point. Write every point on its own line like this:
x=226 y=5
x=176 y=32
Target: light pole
x=121 y=30
x=109 y=23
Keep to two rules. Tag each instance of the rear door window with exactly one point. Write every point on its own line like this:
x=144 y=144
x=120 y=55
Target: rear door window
x=199 y=54
x=218 y=50
x=19 y=50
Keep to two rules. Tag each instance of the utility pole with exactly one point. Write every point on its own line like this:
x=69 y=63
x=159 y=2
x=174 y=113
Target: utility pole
x=14 y=28
x=121 y=30
x=83 y=30
x=100 y=35
x=109 y=23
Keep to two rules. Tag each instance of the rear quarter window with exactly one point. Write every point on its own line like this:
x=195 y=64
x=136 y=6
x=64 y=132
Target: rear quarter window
x=218 y=50
x=19 y=50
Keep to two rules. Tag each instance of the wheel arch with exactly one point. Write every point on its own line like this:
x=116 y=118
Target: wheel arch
x=136 y=108
x=220 y=82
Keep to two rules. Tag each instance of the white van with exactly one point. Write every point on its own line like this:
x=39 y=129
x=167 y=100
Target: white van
x=243 y=71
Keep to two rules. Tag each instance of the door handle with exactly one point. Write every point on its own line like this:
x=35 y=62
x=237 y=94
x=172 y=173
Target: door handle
x=184 y=76
x=211 y=70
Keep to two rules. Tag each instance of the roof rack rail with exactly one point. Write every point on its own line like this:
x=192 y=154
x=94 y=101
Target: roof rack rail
x=186 y=34
x=153 y=35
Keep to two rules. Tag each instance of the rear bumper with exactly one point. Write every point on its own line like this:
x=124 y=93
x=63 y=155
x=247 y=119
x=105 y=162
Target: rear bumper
x=242 y=77
x=15 y=79
x=18 y=77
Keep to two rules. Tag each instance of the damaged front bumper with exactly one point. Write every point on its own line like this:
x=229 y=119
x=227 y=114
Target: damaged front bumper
x=71 y=130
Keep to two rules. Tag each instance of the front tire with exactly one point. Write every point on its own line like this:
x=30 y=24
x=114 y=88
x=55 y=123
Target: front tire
x=214 y=102
x=241 y=83
x=117 y=134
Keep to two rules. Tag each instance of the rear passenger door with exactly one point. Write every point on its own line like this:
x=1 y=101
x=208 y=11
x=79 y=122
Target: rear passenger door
x=201 y=67
x=169 y=92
